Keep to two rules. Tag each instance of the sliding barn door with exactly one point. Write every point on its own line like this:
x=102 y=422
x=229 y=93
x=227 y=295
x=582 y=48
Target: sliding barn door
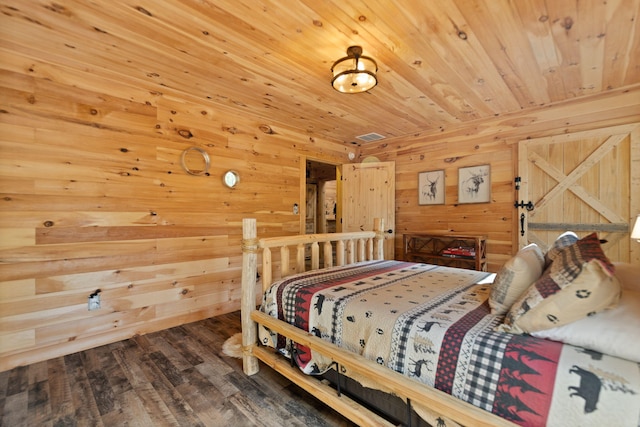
x=367 y=191
x=580 y=182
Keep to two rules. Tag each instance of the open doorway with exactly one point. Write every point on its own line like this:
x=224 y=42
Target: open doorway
x=321 y=197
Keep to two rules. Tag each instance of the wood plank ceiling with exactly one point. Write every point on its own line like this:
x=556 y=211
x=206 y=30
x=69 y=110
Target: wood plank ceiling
x=442 y=63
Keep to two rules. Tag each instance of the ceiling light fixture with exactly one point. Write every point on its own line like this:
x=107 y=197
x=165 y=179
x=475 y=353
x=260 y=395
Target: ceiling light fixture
x=354 y=73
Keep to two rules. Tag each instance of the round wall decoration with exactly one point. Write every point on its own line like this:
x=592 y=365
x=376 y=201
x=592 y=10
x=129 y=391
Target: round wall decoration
x=231 y=178
x=195 y=161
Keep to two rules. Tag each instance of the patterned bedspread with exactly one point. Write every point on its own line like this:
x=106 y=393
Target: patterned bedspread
x=434 y=325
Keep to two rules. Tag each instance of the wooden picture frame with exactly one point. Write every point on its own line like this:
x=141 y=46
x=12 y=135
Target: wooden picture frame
x=474 y=184
x=431 y=187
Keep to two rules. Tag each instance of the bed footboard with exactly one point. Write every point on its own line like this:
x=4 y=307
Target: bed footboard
x=343 y=248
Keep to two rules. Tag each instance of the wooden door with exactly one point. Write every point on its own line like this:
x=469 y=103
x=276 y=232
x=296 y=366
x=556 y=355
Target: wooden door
x=580 y=182
x=367 y=191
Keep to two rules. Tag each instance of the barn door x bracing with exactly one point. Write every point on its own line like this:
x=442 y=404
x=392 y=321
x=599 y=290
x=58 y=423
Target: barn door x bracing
x=580 y=182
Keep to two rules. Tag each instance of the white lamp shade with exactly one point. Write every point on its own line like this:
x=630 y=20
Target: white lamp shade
x=635 y=233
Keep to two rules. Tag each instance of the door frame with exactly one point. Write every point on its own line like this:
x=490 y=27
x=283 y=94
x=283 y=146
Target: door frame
x=302 y=206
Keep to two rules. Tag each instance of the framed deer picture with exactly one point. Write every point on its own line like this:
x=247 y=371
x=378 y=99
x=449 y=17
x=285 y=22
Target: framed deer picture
x=431 y=188
x=474 y=184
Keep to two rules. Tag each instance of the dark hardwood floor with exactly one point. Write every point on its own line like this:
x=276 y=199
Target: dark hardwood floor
x=176 y=377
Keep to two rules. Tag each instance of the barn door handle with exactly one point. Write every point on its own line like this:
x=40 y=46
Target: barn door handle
x=522 y=204
x=522 y=224
x=390 y=231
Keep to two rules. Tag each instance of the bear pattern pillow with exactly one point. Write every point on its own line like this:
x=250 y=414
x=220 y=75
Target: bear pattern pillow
x=580 y=281
x=515 y=277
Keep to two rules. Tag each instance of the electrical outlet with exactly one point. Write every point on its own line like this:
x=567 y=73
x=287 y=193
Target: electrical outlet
x=94 y=301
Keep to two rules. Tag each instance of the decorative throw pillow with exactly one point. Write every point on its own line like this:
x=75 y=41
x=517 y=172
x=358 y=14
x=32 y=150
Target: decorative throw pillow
x=515 y=277
x=615 y=332
x=567 y=238
x=579 y=282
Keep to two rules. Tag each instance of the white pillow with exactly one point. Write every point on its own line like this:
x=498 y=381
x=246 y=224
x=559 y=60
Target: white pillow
x=615 y=331
x=515 y=277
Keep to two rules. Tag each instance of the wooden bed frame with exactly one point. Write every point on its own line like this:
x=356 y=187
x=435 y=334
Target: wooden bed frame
x=349 y=248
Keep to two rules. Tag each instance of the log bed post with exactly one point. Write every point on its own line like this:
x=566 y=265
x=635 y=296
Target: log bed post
x=248 y=302
x=378 y=244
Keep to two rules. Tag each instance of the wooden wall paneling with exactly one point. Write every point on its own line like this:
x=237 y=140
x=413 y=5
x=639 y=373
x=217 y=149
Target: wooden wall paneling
x=98 y=104
x=50 y=235
x=17 y=63
x=95 y=201
x=47 y=253
x=80 y=49
x=53 y=101
x=130 y=276
x=11 y=289
x=453 y=217
x=493 y=142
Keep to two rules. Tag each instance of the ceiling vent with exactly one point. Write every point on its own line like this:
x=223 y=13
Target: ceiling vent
x=370 y=137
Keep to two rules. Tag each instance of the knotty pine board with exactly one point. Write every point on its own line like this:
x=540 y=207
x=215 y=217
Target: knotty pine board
x=99 y=201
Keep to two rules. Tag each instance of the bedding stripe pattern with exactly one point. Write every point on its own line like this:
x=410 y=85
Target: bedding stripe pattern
x=434 y=324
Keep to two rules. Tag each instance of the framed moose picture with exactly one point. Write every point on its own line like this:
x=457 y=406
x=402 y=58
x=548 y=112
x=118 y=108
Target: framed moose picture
x=431 y=188
x=474 y=184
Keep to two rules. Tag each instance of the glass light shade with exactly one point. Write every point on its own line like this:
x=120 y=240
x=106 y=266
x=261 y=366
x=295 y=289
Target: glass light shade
x=635 y=233
x=354 y=73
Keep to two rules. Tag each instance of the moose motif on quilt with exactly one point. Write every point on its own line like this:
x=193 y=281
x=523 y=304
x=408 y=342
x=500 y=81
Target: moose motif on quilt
x=434 y=324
